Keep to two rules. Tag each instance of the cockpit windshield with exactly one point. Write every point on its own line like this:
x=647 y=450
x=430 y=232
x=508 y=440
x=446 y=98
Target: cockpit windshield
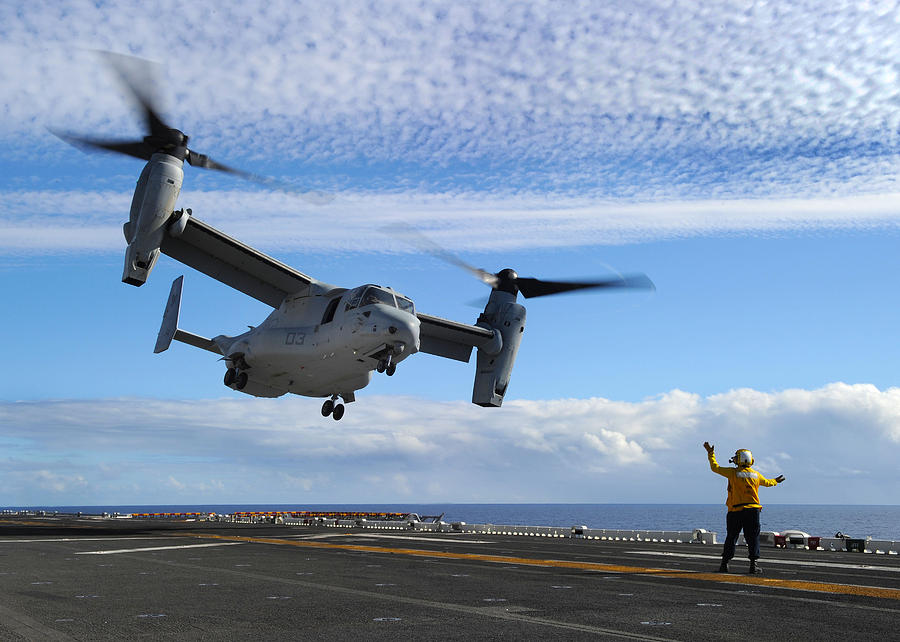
x=377 y=295
x=372 y=294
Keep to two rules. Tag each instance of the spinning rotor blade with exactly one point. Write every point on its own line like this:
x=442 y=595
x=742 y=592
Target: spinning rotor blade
x=137 y=74
x=139 y=78
x=205 y=162
x=135 y=148
x=536 y=287
x=425 y=244
x=508 y=281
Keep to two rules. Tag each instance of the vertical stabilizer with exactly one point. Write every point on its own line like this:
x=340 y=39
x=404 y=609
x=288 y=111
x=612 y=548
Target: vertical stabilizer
x=170 y=317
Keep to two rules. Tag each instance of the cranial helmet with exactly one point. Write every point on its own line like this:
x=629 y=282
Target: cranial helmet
x=743 y=458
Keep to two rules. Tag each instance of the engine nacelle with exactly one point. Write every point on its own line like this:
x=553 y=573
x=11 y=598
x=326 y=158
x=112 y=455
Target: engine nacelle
x=152 y=205
x=495 y=363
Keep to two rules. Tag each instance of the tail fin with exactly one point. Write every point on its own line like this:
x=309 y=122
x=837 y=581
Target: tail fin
x=169 y=329
x=170 y=318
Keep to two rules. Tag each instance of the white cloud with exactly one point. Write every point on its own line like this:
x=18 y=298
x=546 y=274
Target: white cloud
x=586 y=126
x=836 y=444
x=616 y=446
x=175 y=484
x=690 y=93
x=56 y=484
x=67 y=221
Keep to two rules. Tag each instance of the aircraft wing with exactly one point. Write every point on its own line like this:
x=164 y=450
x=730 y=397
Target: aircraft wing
x=450 y=339
x=235 y=264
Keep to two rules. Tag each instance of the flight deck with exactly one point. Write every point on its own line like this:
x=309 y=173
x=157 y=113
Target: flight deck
x=90 y=578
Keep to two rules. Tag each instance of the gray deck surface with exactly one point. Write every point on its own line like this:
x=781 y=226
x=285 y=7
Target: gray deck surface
x=132 y=579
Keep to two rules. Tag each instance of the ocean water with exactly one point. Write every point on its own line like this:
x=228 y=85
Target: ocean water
x=878 y=522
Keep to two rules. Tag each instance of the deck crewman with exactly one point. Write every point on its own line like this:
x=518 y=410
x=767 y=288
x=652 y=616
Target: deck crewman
x=743 y=503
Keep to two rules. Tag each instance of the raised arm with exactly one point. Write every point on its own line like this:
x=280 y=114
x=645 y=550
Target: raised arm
x=713 y=464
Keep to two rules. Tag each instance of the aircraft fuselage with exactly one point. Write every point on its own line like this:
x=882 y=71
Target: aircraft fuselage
x=319 y=346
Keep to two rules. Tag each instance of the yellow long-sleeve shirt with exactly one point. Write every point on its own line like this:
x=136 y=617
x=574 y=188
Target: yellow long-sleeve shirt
x=743 y=485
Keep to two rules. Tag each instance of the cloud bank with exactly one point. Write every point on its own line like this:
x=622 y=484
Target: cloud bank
x=681 y=100
x=586 y=125
x=462 y=78
x=79 y=221
x=836 y=444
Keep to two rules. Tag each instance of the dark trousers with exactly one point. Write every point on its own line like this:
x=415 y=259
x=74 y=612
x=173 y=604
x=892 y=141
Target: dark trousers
x=746 y=520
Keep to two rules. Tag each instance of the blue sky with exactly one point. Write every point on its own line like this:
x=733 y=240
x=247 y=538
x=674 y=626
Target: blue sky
x=743 y=155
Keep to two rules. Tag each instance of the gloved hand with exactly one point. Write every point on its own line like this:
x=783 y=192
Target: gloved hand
x=780 y=478
x=709 y=449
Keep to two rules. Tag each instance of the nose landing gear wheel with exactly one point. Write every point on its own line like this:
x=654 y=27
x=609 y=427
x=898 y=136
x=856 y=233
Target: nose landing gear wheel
x=327 y=408
x=391 y=369
x=338 y=412
x=381 y=367
x=230 y=376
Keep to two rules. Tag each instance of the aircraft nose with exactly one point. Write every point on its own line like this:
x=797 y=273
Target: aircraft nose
x=408 y=335
x=402 y=330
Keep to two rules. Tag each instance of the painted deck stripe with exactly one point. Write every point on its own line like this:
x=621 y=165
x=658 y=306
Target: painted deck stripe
x=414 y=538
x=767 y=561
x=801 y=585
x=77 y=539
x=156 y=548
x=375 y=536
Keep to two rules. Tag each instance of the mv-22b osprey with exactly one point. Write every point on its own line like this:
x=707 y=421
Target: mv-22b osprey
x=321 y=340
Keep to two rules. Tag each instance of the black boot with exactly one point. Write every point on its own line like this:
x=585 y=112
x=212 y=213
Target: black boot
x=723 y=567
x=754 y=569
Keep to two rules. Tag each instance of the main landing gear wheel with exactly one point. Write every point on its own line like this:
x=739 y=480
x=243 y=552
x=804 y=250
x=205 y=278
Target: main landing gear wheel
x=235 y=378
x=335 y=410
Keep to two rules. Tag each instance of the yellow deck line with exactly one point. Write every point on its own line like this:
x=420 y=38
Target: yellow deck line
x=820 y=587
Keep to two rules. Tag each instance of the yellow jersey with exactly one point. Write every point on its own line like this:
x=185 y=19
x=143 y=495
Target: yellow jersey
x=743 y=485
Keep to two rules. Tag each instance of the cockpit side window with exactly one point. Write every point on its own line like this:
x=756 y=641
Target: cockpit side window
x=405 y=304
x=328 y=317
x=353 y=298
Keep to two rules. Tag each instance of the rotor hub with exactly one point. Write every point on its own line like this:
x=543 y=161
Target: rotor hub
x=506 y=281
x=168 y=139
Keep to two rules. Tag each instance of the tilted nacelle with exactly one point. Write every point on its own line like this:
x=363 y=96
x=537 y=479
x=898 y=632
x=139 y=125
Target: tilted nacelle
x=495 y=361
x=153 y=203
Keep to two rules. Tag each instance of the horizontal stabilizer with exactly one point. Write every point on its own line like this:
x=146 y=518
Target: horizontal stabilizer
x=197 y=341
